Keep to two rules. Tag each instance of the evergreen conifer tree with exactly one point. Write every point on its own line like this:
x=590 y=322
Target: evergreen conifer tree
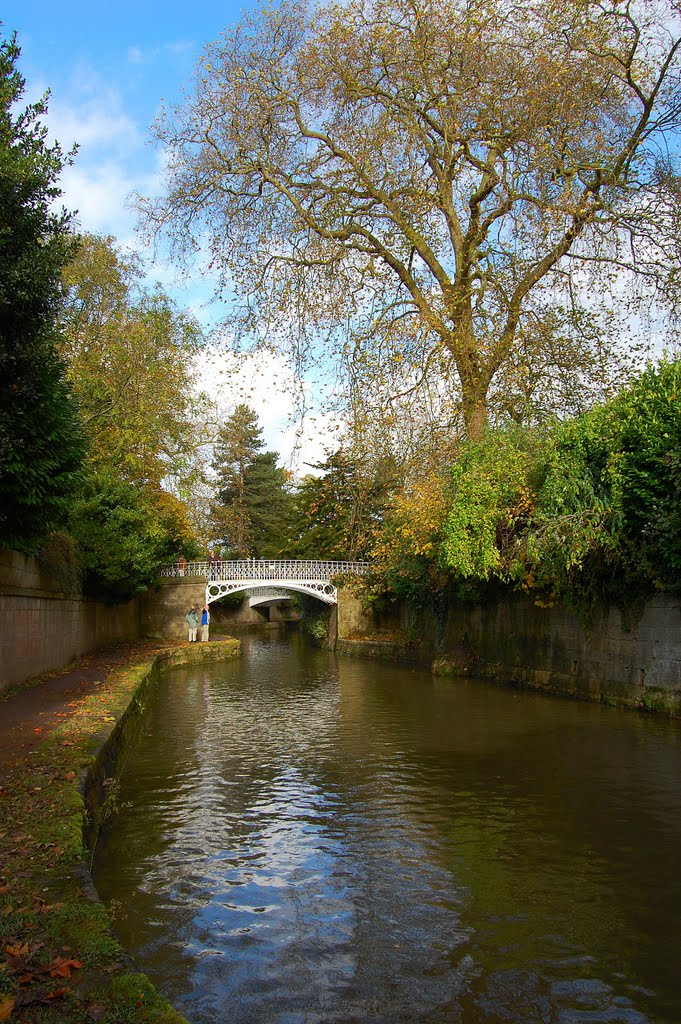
x=253 y=509
x=41 y=444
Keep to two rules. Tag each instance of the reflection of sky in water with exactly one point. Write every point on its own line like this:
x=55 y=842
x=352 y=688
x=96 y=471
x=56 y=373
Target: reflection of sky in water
x=303 y=897
x=336 y=842
x=280 y=894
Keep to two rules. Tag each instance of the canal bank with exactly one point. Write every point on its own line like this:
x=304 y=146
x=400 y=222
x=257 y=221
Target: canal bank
x=60 y=960
x=629 y=660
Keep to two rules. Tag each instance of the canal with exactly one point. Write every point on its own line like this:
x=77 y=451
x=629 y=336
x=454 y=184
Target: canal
x=306 y=839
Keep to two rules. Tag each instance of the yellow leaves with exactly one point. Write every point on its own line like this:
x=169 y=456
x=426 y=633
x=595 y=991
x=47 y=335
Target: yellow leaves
x=17 y=949
x=413 y=524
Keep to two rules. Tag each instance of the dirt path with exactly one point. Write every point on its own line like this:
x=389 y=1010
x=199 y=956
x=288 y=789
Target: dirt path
x=32 y=712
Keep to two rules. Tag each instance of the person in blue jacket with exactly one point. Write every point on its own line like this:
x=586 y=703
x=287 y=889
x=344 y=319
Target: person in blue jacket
x=205 y=622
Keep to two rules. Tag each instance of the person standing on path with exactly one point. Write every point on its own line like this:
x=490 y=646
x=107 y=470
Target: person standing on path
x=192 y=620
x=205 y=622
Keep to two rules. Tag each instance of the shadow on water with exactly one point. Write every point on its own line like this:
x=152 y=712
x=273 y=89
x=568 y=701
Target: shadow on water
x=312 y=839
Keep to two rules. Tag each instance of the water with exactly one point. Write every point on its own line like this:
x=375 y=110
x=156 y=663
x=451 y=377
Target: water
x=312 y=840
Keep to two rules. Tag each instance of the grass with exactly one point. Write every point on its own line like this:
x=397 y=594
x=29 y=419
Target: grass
x=59 y=958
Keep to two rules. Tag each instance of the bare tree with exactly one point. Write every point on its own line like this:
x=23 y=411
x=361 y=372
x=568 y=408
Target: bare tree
x=447 y=170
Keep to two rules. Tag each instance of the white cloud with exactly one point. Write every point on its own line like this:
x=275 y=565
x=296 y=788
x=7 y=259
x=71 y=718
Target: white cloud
x=139 y=55
x=181 y=48
x=112 y=161
x=266 y=383
x=99 y=193
x=91 y=113
x=136 y=55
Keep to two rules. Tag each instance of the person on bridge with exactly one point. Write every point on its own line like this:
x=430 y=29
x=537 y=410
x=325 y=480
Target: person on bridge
x=192 y=620
x=205 y=622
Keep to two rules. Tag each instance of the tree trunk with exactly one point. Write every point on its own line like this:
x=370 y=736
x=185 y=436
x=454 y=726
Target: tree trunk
x=475 y=382
x=475 y=416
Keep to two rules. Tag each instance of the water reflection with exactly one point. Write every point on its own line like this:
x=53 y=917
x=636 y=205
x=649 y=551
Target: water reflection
x=321 y=840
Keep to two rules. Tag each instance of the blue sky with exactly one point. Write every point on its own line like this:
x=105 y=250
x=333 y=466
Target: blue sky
x=109 y=67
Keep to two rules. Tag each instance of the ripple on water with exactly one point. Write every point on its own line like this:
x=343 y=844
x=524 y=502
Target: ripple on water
x=311 y=840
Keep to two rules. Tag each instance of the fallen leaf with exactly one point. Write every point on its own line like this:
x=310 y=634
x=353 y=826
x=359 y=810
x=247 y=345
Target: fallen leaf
x=58 y=993
x=62 y=967
x=6 y=1006
x=45 y=908
x=17 y=949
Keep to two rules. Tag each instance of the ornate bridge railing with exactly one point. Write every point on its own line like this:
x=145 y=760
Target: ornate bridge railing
x=308 y=577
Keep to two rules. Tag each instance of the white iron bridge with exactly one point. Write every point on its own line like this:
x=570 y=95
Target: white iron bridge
x=249 y=574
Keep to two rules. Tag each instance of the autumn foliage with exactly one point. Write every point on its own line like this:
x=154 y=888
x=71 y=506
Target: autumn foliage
x=581 y=510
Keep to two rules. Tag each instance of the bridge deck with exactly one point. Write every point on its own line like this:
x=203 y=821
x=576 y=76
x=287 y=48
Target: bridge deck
x=267 y=569
x=305 y=577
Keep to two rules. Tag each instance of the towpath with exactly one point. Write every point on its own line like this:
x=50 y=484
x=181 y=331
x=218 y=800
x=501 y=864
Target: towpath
x=31 y=712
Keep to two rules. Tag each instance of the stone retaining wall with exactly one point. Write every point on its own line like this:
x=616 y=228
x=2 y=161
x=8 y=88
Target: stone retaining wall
x=163 y=609
x=43 y=629
x=634 y=664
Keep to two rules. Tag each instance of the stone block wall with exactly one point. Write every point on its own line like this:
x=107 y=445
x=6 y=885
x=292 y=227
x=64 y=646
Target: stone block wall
x=354 y=619
x=635 y=663
x=164 y=607
x=42 y=629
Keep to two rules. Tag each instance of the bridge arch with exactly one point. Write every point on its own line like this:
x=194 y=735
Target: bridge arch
x=322 y=591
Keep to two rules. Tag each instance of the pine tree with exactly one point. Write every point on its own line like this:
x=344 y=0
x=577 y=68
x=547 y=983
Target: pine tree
x=239 y=440
x=268 y=502
x=254 y=507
